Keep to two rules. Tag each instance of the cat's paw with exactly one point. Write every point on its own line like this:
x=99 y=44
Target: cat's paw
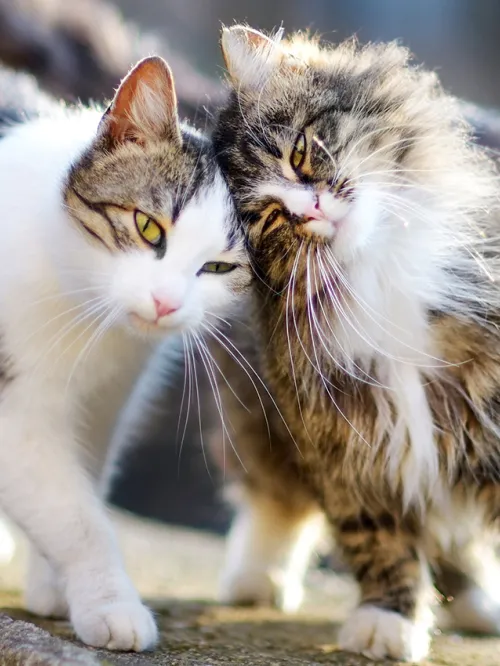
x=474 y=610
x=379 y=634
x=46 y=600
x=118 y=625
x=261 y=588
x=43 y=596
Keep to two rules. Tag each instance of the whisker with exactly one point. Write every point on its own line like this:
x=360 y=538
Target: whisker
x=290 y=288
x=68 y=328
x=325 y=383
x=80 y=306
x=188 y=370
x=366 y=308
x=207 y=360
x=101 y=329
x=195 y=375
x=371 y=381
x=234 y=352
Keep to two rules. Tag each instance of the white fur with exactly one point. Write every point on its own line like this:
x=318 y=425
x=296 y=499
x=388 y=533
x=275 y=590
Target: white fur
x=475 y=610
x=197 y=237
x=395 y=280
x=64 y=374
x=299 y=201
x=454 y=528
x=44 y=593
x=267 y=556
x=250 y=56
x=381 y=634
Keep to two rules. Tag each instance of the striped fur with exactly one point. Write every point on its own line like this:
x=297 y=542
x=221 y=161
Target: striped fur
x=375 y=324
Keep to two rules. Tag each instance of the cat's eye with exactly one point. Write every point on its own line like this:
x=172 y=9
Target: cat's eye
x=299 y=152
x=148 y=229
x=217 y=267
x=271 y=219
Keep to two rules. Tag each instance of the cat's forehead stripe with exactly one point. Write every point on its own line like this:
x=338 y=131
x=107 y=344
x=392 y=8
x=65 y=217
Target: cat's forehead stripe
x=234 y=237
x=114 y=234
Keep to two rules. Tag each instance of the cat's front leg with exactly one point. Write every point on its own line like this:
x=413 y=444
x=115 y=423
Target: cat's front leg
x=394 y=617
x=45 y=490
x=44 y=594
x=268 y=550
x=468 y=572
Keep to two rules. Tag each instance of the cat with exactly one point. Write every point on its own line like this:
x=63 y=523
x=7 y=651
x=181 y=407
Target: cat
x=118 y=231
x=372 y=223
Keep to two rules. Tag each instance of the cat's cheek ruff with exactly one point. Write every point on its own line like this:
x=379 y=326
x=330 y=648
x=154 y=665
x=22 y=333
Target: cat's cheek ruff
x=375 y=251
x=219 y=293
x=361 y=225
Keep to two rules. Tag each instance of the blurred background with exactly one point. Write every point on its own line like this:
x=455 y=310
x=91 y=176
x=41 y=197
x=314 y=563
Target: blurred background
x=459 y=38
x=79 y=49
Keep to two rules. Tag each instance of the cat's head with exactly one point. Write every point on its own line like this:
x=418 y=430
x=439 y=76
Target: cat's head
x=347 y=152
x=157 y=244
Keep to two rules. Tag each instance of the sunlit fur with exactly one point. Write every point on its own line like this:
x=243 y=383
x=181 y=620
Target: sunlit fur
x=376 y=309
x=77 y=298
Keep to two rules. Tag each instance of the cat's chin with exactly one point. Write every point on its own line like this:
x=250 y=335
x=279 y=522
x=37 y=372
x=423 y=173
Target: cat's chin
x=323 y=229
x=142 y=327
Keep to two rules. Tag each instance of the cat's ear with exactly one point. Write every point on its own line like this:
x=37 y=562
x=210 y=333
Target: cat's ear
x=250 y=56
x=144 y=107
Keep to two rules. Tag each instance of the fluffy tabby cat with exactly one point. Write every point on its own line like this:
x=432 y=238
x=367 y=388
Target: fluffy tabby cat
x=372 y=221
x=118 y=228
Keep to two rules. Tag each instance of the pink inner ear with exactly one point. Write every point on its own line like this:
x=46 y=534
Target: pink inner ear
x=121 y=127
x=256 y=39
x=253 y=38
x=124 y=122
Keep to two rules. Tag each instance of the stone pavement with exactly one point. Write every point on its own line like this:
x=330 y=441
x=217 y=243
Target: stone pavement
x=176 y=570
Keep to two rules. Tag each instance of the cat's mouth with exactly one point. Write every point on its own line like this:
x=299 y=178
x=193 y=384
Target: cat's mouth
x=144 y=325
x=323 y=217
x=322 y=228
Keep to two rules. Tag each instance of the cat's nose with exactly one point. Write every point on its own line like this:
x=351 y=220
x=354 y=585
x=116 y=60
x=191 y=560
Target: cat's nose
x=165 y=306
x=314 y=211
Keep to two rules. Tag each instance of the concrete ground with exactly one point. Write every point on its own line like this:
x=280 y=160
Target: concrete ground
x=176 y=571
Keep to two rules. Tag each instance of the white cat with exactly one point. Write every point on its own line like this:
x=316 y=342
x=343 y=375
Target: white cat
x=115 y=229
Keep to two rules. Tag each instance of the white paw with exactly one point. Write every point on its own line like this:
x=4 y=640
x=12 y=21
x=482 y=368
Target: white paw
x=43 y=595
x=118 y=625
x=475 y=610
x=46 y=600
x=262 y=588
x=379 y=634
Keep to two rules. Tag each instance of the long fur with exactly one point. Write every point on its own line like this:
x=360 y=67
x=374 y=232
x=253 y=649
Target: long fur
x=376 y=321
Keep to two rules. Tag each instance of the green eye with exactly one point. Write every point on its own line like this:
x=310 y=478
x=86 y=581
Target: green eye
x=217 y=267
x=148 y=229
x=299 y=152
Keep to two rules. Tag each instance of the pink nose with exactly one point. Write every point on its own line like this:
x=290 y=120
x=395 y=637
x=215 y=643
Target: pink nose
x=314 y=212
x=164 y=307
